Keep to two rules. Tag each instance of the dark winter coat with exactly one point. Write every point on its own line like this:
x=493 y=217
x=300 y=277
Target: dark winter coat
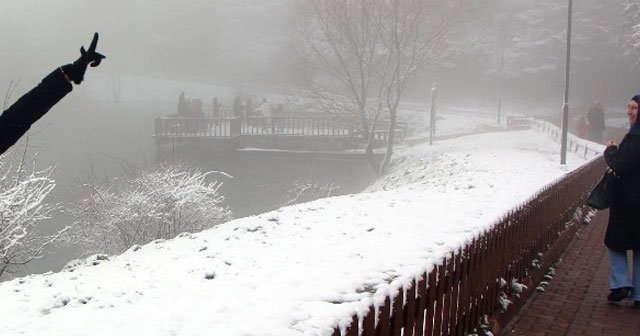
x=623 y=231
x=18 y=118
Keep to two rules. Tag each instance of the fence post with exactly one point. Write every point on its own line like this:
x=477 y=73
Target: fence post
x=423 y=299
x=409 y=322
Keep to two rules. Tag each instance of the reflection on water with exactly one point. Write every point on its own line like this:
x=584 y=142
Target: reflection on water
x=261 y=179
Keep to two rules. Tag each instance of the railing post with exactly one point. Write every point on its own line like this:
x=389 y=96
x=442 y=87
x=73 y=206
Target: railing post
x=411 y=303
x=383 y=326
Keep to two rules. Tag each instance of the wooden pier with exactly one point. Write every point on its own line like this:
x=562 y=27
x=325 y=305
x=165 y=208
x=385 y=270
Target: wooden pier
x=287 y=133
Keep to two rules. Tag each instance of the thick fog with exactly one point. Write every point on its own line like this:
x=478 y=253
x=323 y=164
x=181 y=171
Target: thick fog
x=197 y=39
x=224 y=43
x=225 y=48
x=243 y=41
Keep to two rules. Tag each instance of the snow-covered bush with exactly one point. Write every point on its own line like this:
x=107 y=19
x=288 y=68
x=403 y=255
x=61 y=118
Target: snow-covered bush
x=484 y=329
x=23 y=190
x=503 y=301
x=158 y=204
x=516 y=287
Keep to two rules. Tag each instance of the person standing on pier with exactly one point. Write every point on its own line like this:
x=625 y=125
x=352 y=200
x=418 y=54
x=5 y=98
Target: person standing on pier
x=267 y=113
x=248 y=110
x=595 y=117
x=215 y=110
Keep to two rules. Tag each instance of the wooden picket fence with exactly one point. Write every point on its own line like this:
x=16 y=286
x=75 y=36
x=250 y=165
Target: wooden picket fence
x=460 y=292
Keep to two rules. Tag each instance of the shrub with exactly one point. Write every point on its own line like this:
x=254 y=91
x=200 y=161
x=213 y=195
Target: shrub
x=158 y=204
x=23 y=190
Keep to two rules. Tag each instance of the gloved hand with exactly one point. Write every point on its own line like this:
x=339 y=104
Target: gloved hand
x=75 y=71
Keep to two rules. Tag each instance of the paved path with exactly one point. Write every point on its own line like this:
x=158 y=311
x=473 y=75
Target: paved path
x=574 y=302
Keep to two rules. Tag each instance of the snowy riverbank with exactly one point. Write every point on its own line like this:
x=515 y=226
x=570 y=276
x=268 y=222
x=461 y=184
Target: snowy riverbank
x=301 y=269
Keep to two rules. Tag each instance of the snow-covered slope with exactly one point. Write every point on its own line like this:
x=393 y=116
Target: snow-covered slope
x=299 y=270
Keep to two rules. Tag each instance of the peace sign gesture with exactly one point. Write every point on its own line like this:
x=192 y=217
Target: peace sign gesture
x=75 y=71
x=91 y=55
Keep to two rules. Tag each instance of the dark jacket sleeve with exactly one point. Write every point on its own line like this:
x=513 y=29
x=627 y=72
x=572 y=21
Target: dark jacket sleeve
x=624 y=159
x=18 y=118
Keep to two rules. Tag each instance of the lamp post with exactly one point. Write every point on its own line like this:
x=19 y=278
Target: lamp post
x=500 y=78
x=512 y=38
x=432 y=115
x=565 y=106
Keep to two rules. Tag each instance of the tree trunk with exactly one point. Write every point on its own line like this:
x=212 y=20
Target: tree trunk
x=384 y=166
x=368 y=133
x=375 y=166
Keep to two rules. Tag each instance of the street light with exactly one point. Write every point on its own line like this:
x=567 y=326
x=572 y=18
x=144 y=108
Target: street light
x=513 y=38
x=432 y=115
x=500 y=77
x=565 y=106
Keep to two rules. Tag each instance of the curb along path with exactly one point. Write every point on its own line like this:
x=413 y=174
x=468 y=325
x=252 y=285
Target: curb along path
x=574 y=302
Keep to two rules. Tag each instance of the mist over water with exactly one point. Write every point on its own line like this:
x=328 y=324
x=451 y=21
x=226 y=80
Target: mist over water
x=83 y=140
x=116 y=137
x=224 y=48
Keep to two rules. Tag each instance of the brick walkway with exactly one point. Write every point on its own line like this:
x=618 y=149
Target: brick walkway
x=574 y=302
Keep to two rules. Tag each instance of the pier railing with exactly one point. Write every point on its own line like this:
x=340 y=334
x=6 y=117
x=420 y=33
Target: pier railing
x=289 y=126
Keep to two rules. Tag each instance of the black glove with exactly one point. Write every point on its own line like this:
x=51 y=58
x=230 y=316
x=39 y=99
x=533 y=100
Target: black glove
x=75 y=71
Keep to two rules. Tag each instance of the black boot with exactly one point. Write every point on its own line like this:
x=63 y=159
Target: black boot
x=618 y=294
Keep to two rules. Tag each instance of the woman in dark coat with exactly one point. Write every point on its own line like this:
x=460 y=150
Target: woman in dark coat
x=18 y=118
x=623 y=231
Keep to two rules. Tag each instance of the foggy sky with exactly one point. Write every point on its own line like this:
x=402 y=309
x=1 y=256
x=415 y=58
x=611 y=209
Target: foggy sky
x=247 y=41
x=174 y=39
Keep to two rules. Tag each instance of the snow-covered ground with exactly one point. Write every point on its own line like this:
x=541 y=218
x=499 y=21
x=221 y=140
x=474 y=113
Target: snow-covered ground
x=299 y=270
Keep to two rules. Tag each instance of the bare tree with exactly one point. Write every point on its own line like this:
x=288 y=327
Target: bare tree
x=359 y=55
x=412 y=34
x=336 y=52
